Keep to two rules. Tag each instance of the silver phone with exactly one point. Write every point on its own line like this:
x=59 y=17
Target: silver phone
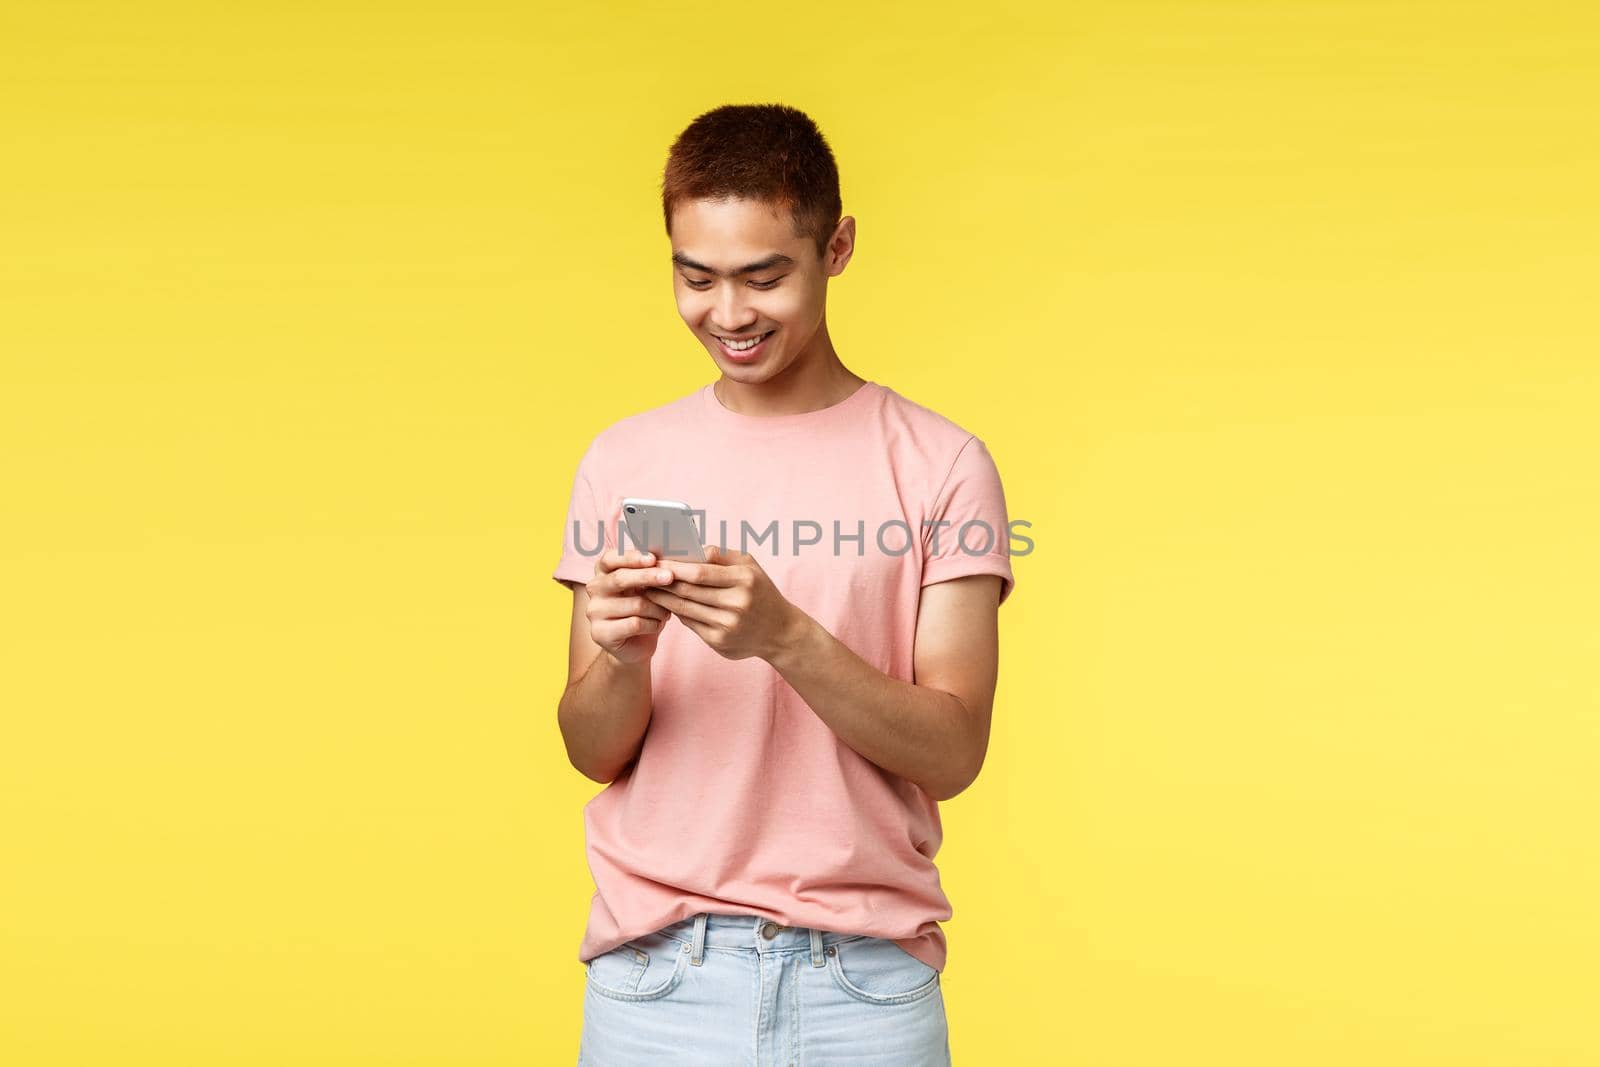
x=665 y=527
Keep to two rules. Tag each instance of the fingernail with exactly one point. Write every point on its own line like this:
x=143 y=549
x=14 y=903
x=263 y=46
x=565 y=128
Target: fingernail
x=648 y=558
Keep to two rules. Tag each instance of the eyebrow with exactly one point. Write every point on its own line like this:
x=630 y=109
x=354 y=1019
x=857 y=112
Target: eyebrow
x=777 y=259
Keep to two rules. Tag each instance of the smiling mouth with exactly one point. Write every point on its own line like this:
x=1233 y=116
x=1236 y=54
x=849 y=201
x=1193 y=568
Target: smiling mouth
x=746 y=349
x=742 y=344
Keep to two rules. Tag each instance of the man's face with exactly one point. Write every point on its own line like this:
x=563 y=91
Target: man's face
x=740 y=273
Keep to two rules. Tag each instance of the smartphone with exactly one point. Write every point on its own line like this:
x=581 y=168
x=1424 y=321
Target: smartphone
x=665 y=527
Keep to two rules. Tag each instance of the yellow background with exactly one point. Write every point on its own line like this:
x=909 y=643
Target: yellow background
x=1277 y=318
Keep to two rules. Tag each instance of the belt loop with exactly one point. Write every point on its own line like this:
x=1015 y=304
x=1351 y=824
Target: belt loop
x=816 y=947
x=697 y=953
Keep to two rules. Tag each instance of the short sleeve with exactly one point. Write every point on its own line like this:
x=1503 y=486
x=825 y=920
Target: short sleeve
x=966 y=529
x=586 y=533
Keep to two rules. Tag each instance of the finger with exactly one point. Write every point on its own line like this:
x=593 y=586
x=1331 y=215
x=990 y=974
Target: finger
x=689 y=609
x=615 y=559
x=621 y=607
x=711 y=596
x=614 y=630
x=717 y=573
x=632 y=579
x=700 y=629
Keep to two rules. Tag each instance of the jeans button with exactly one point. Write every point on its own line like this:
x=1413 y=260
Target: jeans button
x=769 y=930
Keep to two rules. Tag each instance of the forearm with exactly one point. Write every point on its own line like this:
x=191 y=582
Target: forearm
x=604 y=715
x=922 y=734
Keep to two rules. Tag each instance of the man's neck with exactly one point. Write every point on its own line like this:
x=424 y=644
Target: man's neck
x=796 y=391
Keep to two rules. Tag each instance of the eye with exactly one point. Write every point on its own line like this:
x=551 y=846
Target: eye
x=704 y=284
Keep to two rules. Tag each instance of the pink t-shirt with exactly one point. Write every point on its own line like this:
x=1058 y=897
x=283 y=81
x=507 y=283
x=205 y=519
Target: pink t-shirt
x=742 y=800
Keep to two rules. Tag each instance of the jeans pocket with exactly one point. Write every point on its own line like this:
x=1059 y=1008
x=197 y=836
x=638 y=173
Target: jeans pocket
x=646 y=968
x=878 y=971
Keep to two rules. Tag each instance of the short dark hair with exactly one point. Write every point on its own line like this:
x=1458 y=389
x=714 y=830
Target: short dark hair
x=768 y=152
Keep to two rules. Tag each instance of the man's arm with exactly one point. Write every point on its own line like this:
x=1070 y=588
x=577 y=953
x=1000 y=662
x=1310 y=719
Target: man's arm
x=935 y=731
x=606 y=707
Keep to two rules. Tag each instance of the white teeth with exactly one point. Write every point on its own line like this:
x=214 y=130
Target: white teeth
x=741 y=346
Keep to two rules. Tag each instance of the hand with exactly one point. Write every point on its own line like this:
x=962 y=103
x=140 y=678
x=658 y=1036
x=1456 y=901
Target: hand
x=621 y=621
x=730 y=602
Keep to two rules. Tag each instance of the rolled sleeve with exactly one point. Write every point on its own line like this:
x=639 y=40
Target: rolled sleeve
x=586 y=533
x=966 y=530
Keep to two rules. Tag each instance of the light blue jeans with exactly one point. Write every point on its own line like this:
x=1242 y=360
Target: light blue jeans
x=743 y=991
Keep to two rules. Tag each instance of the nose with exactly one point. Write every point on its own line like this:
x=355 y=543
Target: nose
x=730 y=310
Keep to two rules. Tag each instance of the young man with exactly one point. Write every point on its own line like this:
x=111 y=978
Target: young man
x=776 y=725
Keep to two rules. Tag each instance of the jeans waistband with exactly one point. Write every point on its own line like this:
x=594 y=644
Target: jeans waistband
x=757 y=933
